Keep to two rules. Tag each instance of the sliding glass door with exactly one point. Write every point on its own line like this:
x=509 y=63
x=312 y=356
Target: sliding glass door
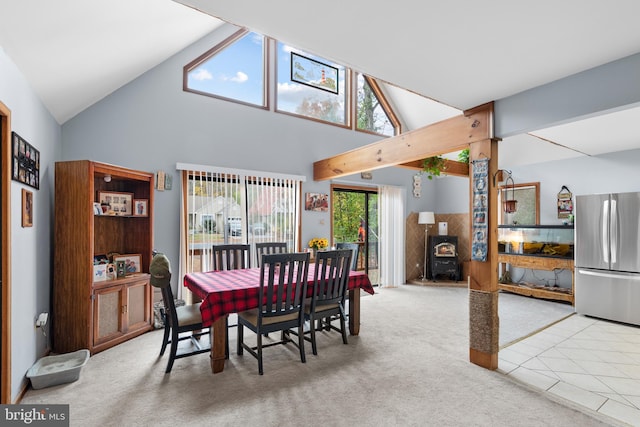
x=355 y=220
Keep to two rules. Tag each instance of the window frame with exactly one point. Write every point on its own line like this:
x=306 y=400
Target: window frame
x=219 y=48
x=270 y=85
x=384 y=104
x=348 y=105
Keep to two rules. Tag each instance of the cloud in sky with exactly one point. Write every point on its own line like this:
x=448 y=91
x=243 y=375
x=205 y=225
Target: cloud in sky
x=202 y=74
x=240 y=77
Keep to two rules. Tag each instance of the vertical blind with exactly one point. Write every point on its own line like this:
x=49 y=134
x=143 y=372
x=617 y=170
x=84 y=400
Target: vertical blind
x=222 y=205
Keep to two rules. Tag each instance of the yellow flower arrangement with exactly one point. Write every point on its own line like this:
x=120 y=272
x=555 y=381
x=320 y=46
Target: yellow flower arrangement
x=318 y=243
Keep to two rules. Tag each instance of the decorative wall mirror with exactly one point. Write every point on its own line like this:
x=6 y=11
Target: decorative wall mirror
x=528 y=203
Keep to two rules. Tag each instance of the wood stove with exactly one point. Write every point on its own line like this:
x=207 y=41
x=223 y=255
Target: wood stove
x=443 y=257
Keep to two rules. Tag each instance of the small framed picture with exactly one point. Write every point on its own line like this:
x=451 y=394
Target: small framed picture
x=97 y=210
x=100 y=272
x=140 y=207
x=316 y=202
x=132 y=262
x=27 y=208
x=121 y=269
x=117 y=203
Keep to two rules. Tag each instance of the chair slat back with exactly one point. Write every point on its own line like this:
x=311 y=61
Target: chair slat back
x=230 y=257
x=169 y=306
x=355 y=250
x=331 y=277
x=266 y=248
x=283 y=284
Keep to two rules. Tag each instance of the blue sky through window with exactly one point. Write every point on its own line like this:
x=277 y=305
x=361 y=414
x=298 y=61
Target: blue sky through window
x=236 y=72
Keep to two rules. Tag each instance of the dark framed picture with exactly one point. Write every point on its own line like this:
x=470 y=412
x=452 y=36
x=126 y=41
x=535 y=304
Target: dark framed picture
x=27 y=208
x=314 y=73
x=116 y=203
x=140 y=207
x=25 y=162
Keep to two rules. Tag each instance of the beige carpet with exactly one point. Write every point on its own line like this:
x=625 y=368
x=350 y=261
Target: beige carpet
x=408 y=367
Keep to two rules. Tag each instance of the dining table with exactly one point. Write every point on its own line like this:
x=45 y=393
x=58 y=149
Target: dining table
x=233 y=291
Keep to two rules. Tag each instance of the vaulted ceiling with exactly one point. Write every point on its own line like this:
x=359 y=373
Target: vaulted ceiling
x=460 y=53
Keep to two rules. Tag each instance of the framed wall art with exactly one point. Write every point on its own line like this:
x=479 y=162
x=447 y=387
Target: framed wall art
x=479 y=227
x=314 y=73
x=116 y=203
x=132 y=262
x=316 y=202
x=27 y=208
x=25 y=162
x=565 y=203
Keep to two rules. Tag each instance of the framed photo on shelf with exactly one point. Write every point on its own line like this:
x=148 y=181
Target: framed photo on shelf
x=140 y=207
x=132 y=262
x=117 y=203
x=97 y=209
x=27 y=208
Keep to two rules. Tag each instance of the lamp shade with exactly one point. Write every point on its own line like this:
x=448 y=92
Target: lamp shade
x=426 y=218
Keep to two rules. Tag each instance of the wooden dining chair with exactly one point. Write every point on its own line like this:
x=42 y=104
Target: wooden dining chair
x=355 y=250
x=283 y=286
x=330 y=282
x=177 y=320
x=230 y=257
x=269 y=248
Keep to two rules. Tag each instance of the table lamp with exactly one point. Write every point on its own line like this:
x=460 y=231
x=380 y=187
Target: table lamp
x=427 y=218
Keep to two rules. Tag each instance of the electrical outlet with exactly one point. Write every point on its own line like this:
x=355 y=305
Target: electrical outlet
x=42 y=320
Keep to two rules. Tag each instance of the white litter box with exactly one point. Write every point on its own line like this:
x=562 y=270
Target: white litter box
x=58 y=369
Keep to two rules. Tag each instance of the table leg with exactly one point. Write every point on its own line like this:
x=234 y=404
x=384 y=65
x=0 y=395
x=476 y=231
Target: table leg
x=354 y=311
x=218 y=342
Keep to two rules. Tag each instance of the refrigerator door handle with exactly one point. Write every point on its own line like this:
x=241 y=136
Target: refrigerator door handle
x=614 y=231
x=610 y=275
x=605 y=231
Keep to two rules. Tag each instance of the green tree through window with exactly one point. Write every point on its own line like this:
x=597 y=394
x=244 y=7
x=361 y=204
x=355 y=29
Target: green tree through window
x=370 y=112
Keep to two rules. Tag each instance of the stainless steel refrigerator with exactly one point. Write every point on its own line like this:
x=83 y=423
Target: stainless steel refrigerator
x=607 y=256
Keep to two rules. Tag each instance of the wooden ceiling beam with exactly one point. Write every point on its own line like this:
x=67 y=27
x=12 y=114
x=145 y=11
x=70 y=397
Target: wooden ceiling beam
x=439 y=138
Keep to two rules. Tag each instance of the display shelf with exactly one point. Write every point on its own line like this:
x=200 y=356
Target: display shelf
x=534 y=262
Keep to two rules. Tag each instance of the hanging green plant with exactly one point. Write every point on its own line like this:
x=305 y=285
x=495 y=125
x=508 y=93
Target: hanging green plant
x=463 y=156
x=433 y=166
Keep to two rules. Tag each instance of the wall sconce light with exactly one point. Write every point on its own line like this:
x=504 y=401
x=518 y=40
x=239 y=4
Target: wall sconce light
x=107 y=178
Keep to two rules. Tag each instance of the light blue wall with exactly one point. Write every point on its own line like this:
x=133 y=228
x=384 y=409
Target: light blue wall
x=30 y=247
x=614 y=172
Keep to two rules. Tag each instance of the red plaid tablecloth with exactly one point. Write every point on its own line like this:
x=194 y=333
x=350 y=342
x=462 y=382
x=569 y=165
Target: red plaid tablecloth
x=233 y=291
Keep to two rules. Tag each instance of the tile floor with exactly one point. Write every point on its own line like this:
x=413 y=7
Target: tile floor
x=590 y=362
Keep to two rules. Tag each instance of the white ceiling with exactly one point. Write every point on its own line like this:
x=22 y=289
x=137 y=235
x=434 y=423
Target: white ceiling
x=461 y=53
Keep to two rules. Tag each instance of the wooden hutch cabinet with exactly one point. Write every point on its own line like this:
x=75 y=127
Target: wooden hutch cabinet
x=99 y=314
